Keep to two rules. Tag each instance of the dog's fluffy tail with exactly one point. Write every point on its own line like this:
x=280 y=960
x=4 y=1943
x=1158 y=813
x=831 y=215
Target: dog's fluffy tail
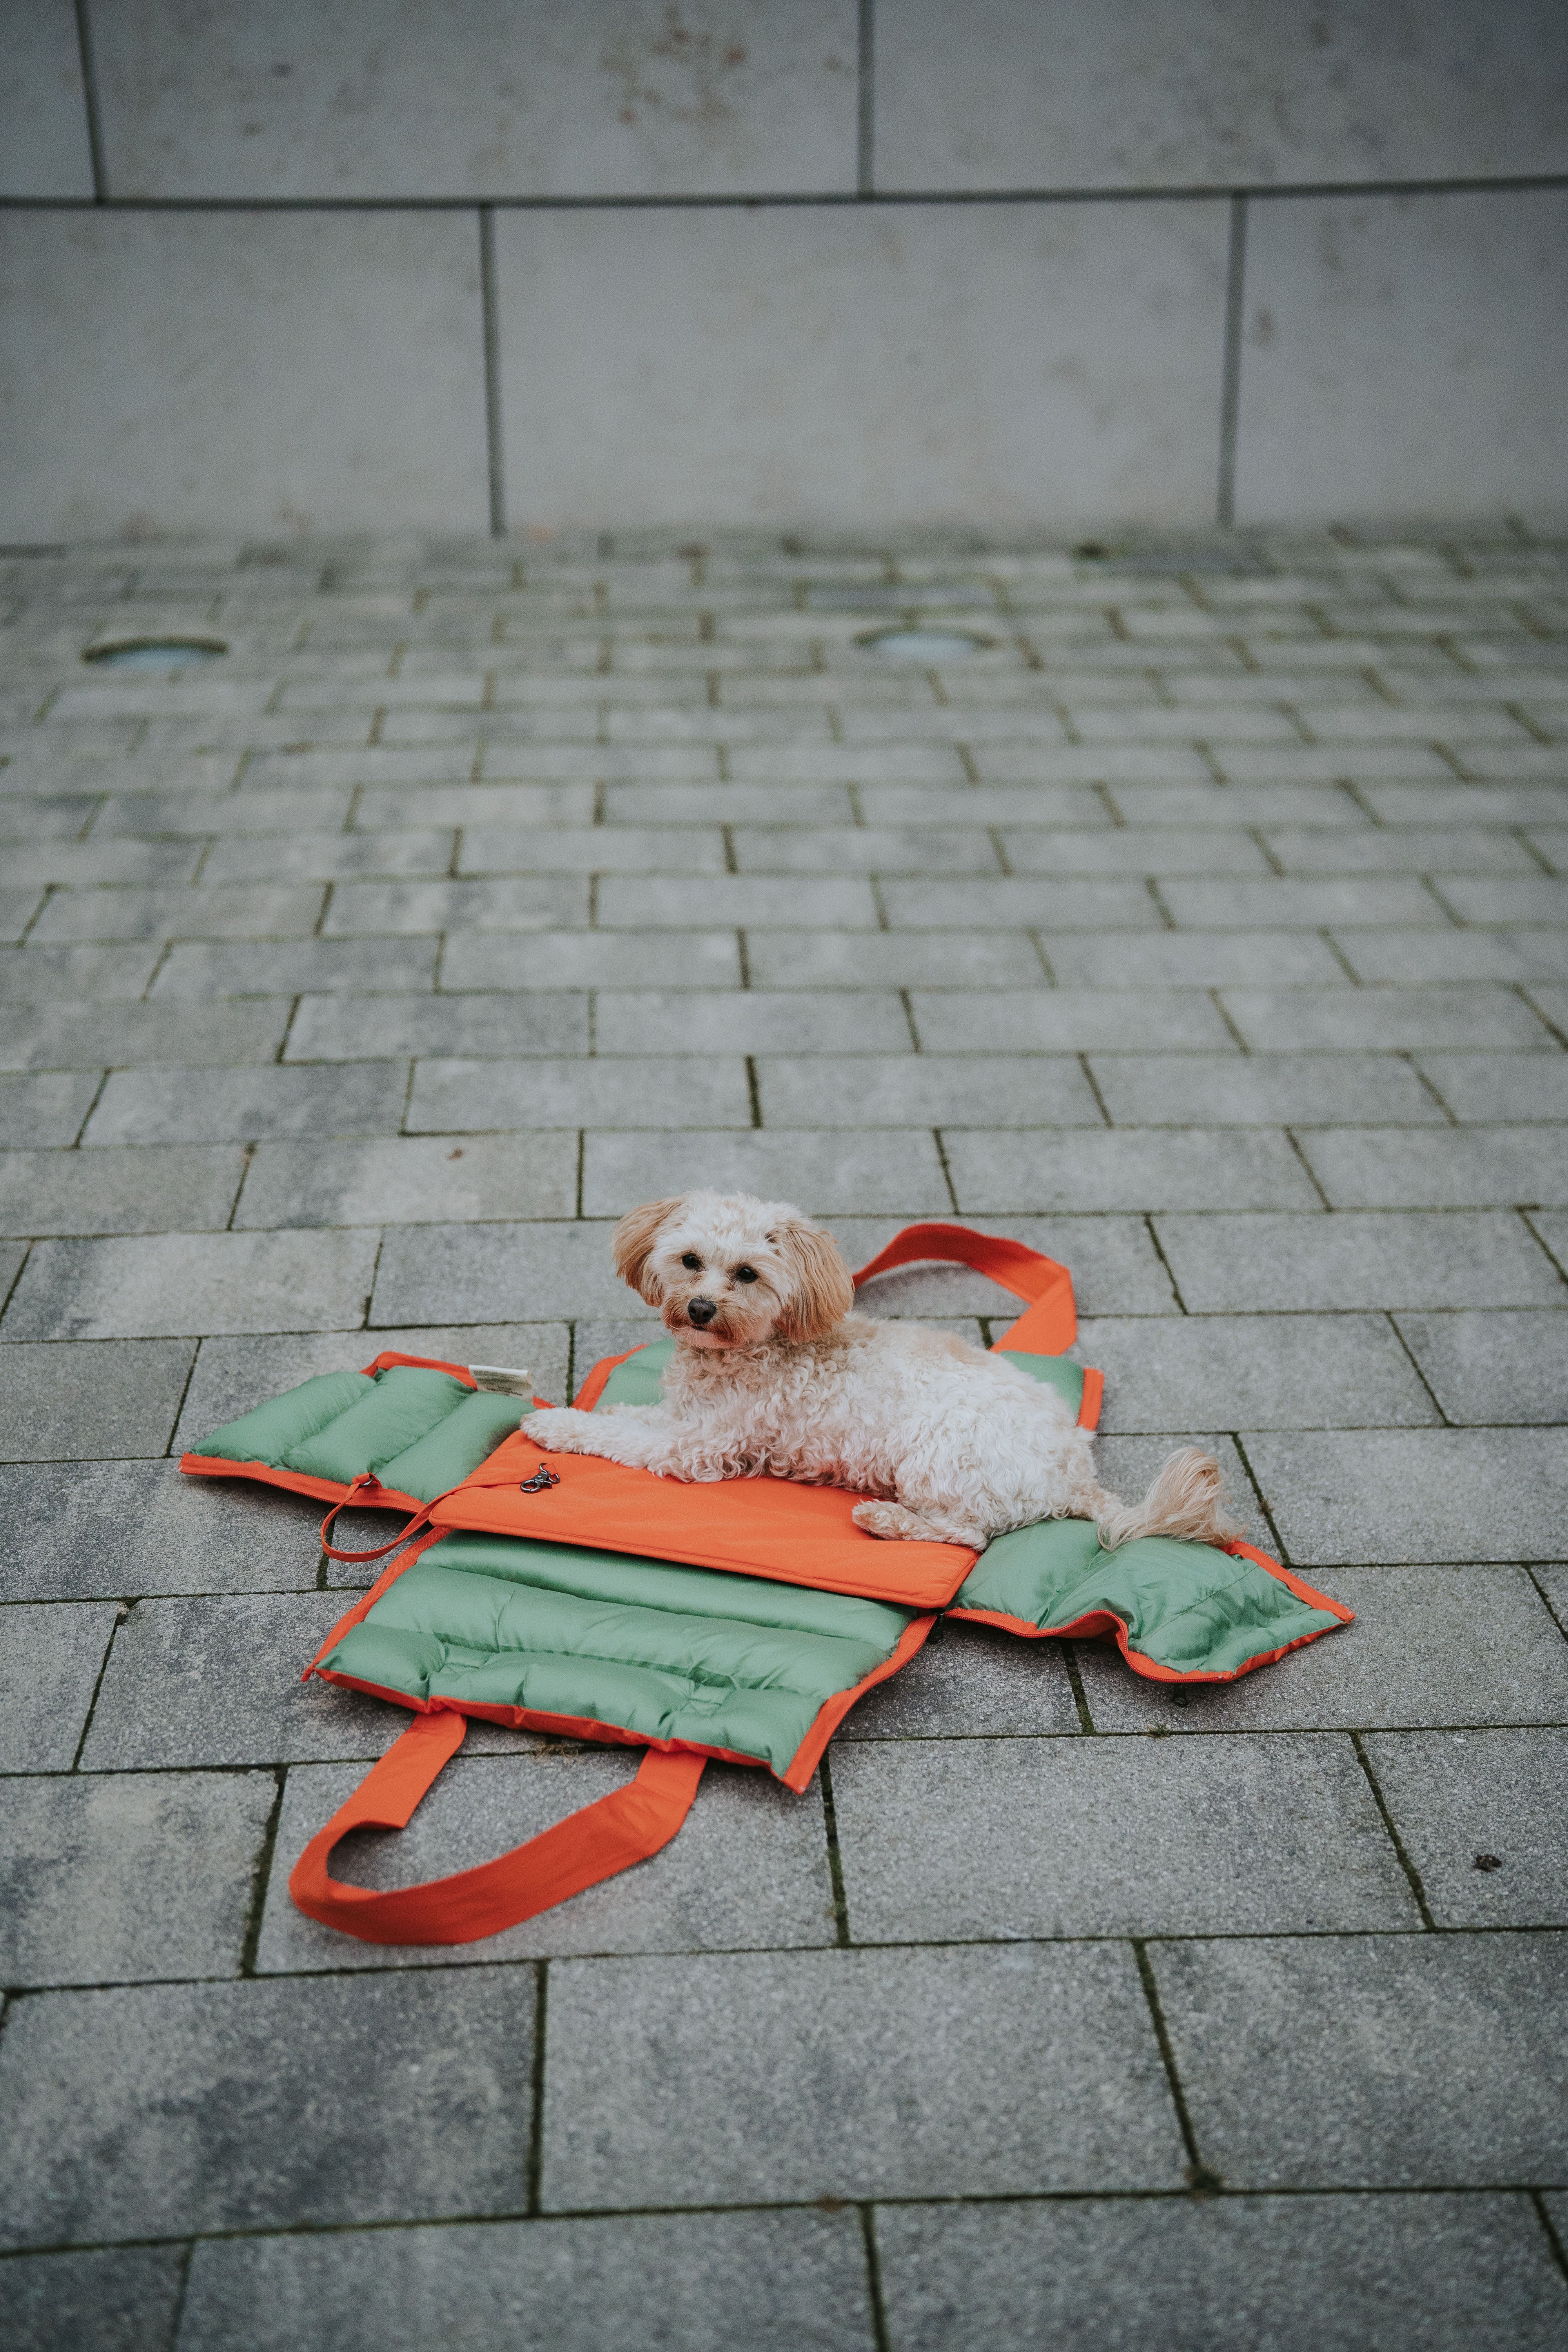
x=1187 y=1500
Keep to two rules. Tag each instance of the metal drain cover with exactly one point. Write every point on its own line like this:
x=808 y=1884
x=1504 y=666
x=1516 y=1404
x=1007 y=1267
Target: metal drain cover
x=930 y=646
x=163 y=654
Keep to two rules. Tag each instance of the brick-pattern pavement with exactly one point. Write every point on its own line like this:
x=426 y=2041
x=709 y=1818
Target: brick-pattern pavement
x=1205 y=928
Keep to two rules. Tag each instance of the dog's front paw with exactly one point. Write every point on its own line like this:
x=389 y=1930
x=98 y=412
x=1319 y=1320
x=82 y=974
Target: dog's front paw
x=558 y=1429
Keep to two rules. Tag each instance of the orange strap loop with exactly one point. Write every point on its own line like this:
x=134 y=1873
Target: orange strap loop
x=1049 y=1324
x=626 y=1826
x=358 y=1487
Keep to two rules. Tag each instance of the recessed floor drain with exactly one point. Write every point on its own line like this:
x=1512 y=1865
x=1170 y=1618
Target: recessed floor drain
x=928 y=645
x=154 y=652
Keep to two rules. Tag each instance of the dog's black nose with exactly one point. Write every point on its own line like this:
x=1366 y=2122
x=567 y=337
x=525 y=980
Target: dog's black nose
x=701 y=1312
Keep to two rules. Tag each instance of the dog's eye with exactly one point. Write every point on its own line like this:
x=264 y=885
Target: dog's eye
x=692 y=1263
x=746 y=1273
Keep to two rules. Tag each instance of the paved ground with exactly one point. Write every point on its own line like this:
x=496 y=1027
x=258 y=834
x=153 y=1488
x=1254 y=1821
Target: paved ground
x=1205 y=929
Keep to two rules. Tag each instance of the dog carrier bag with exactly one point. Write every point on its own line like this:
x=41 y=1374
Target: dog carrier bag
x=741 y=1620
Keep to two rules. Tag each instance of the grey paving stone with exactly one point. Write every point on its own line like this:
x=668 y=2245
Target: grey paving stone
x=626 y=959
x=1318 y=1371
x=1383 y=1020
x=50 y=1664
x=748 y=1870
x=707 y=2282
x=216 y=1680
x=940 y=1090
x=313 y=856
x=1500 y=1086
x=125 y=1527
x=120 y=2300
x=69 y=865
x=865 y=959
x=1129 y=1169
x=520 y=903
x=322 y=771
x=118 y=1192
x=629 y=1090
x=800 y=2075
x=1478 y=897
x=410 y=1180
x=142 y=1107
x=859 y=763
x=825 y=1173
x=1209 y=805
x=444 y=1274
x=225 y=912
x=1414 y=2061
x=1020 y=903
x=671 y=902
x=129 y=1876
x=1087 y=764
x=1452 y=804
x=1068 y=1020
x=1416 y=1494
x=1295 y=904
x=1497 y=1367
x=44 y=1110
x=54 y=817
x=1457 y=1795
x=1012 y=803
x=750 y=1021
x=591 y=849
x=1112 y=1261
x=966 y=1682
x=1456 y=1168
x=68 y=1037
x=1264 y=1089
x=1451 y=1645
x=977 y=1838
x=1552 y=1228
x=1417 y=959
x=60 y=1403
x=1134 y=850
x=254 y=813
x=1453 y=2273
x=339 y=967
x=160 y=2110
x=1414 y=849
x=728 y=805
x=466 y=803
x=1465 y=1258
x=865 y=849
x=32 y=975
x=195 y=1283
x=333 y=1029
x=232 y=1375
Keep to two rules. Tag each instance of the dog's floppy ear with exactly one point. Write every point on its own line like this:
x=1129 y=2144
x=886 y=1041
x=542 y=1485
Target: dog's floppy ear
x=631 y=1245
x=821 y=1290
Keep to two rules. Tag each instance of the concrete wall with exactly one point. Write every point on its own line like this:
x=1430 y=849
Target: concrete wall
x=274 y=266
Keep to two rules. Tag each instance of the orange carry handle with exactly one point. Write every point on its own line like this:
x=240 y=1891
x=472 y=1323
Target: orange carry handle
x=360 y=1487
x=594 y=1843
x=1048 y=1325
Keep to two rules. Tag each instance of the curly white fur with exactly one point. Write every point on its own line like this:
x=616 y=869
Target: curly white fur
x=775 y=1376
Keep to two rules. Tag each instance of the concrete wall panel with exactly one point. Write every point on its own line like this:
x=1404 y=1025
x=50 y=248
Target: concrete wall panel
x=1145 y=93
x=476 y=97
x=1405 y=355
x=993 y=365
x=44 y=148
x=169 y=372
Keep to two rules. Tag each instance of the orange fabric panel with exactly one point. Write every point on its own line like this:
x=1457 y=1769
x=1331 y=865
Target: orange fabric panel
x=758 y=1527
x=296 y=1482
x=626 y=1826
x=1093 y=1397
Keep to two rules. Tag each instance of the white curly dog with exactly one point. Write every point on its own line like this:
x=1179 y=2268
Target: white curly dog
x=775 y=1376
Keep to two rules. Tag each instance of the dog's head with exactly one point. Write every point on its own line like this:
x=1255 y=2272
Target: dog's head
x=727 y=1270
